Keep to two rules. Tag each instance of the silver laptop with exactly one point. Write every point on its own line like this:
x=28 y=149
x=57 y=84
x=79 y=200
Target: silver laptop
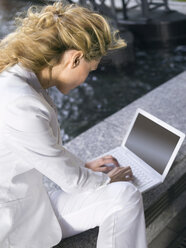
x=149 y=148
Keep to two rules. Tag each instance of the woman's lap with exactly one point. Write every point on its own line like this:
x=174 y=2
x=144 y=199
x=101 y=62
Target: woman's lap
x=82 y=211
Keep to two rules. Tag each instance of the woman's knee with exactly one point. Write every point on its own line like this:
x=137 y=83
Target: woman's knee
x=125 y=193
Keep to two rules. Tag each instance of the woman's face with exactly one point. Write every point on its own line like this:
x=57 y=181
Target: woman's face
x=71 y=71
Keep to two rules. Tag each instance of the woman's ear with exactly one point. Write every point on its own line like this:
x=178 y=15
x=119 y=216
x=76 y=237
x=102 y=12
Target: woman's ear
x=76 y=62
x=76 y=59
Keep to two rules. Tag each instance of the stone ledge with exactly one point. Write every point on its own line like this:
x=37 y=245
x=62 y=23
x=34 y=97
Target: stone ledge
x=168 y=103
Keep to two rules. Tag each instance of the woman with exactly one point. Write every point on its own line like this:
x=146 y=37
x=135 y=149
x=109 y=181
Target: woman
x=57 y=46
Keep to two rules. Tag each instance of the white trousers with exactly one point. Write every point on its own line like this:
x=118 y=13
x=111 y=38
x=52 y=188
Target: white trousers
x=116 y=208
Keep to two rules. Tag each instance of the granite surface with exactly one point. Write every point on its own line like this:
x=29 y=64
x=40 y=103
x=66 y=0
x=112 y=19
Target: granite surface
x=167 y=102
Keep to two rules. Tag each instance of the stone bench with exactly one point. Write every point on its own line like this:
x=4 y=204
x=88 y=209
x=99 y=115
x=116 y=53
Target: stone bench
x=163 y=203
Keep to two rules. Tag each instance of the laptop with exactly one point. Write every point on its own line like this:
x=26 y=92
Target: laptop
x=149 y=148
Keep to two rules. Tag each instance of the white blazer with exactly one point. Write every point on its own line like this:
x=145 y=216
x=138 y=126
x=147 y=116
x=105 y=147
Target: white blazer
x=30 y=146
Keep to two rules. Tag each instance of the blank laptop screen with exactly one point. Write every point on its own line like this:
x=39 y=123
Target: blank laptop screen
x=151 y=142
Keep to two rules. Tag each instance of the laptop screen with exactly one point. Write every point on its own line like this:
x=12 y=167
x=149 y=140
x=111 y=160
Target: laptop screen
x=151 y=142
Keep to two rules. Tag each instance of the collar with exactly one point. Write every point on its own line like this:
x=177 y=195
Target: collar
x=28 y=75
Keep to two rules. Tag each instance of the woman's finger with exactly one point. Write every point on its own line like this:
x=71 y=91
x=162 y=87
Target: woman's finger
x=102 y=162
x=113 y=171
x=125 y=173
x=109 y=160
x=111 y=157
x=104 y=169
x=128 y=171
x=124 y=169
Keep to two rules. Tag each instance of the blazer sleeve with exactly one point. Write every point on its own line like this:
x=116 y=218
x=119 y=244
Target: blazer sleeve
x=29 y=135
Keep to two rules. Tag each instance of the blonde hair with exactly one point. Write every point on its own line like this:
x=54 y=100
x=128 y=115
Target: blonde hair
x=43 y=35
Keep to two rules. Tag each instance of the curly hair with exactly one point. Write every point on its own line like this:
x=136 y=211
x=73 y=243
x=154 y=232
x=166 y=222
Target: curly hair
x=43 y=35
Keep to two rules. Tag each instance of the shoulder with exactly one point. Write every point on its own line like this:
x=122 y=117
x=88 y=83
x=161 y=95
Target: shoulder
x=20 y=103
x=17 y=91
x=27 y=112
x=14 y=82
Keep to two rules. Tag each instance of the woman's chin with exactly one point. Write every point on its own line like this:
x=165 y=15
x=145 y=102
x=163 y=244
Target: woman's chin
x=63 y=91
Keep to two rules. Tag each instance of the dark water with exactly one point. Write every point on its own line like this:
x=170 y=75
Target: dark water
x=107 y=90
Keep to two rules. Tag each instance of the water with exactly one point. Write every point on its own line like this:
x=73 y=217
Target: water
x=106 y=90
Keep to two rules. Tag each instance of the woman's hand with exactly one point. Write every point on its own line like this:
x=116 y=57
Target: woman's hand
x=100 y=164
x=120 y=174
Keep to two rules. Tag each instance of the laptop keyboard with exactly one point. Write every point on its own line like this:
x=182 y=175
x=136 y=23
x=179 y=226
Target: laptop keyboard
x=140 y=177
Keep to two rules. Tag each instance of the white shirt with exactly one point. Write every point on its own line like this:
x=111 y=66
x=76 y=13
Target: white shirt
x=31 y=146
